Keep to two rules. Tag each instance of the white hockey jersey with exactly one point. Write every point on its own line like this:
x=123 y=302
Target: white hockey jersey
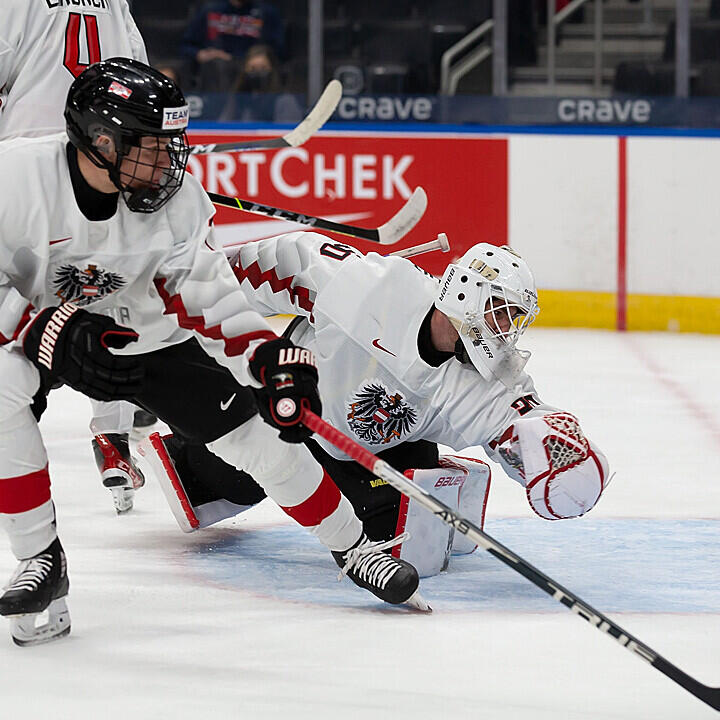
x=365 y=314
x=156 y=273
x=45 y=45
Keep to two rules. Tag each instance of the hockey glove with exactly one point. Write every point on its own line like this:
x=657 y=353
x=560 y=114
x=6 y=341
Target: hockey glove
x=72 y=345
x=290 y=378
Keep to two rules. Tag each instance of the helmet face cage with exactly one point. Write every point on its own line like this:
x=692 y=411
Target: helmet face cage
x=504 y=313
x=137 y=164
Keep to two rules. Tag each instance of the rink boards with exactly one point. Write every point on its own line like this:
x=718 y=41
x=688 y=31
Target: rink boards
x=619 y=230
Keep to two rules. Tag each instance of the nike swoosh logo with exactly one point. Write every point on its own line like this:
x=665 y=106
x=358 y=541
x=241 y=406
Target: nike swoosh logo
x=52 y=242
x=377 y=344
x=225 y=405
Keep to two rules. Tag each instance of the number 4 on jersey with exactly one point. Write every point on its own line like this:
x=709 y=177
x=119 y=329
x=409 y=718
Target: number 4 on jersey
x=72 y=43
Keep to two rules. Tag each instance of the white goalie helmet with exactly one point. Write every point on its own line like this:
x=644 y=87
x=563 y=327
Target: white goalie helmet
x=490 y=297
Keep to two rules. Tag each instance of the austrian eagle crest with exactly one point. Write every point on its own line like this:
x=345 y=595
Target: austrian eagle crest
x=377 y=417
x=84 y=286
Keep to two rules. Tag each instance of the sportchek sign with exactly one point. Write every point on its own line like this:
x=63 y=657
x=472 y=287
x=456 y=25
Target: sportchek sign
x=364 y=179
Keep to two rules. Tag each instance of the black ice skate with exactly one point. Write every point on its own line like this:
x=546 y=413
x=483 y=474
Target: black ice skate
x=118 y=469
x=393 y=580
x=39 y=584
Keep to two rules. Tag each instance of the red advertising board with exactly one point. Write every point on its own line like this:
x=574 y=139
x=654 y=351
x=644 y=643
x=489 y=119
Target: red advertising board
x=363 y=179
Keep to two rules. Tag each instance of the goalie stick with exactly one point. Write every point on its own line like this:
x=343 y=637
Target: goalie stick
x=439 y=243
x=393 y=230
x=315 y=119
x=709 y=695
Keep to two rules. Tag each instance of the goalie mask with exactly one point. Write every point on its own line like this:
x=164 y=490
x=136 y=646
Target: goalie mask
x=489 y=296
x=145 y=114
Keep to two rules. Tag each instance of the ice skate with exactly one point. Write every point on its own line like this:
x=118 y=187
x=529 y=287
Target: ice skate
x=117 y=468
x=39 y=586
x=392 y=580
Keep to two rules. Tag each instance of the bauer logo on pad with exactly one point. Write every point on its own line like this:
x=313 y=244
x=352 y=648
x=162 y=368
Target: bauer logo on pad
x=117 y=89
x=175 y=117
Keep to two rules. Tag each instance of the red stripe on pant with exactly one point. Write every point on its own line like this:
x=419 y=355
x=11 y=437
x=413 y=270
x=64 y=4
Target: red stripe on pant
x=25 y=492
x=320 y=505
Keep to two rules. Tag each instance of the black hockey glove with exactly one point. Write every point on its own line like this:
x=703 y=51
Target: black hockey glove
x=69 y=344
x=290 y=379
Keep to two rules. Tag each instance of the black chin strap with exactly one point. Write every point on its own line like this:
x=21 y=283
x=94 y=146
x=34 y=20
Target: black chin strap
x=461 y=352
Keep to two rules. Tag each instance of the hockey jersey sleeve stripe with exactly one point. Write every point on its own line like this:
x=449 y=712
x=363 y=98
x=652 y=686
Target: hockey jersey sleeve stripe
x=13 y=334
x=320 y=505
x=236 y=345
x=24 y=492
x=256 y=277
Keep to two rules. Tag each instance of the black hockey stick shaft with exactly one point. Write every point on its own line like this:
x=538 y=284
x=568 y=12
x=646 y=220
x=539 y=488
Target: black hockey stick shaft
x=244 y=146
x=399 y=225
x=370 y=234
x=707 y=694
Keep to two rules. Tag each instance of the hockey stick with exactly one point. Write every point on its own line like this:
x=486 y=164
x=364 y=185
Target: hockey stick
x=439 y=243
x=707 y=694
x=314 y=120
x=395 y=228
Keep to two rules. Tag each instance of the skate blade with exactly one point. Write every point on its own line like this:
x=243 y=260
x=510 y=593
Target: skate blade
x=26 y=631
x=418 y=602
x=123 y=499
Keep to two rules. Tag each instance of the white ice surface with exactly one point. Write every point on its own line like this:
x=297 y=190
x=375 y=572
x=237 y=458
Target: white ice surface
x=247 y=621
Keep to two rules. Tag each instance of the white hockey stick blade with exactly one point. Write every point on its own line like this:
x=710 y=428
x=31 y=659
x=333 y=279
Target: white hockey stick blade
x=405 y=219
x=318 y=116
x=315 y=119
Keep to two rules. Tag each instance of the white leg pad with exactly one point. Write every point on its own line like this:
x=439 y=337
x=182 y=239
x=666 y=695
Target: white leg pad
x=189 y=517
x=462 y=484
x=153 y=450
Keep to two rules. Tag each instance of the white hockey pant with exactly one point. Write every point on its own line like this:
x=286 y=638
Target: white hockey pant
x=26 y=510
x=111 y=417
x=461 y=483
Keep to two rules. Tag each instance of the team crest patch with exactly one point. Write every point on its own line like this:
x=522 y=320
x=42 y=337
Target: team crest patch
x=378 y=417
x=85 y=286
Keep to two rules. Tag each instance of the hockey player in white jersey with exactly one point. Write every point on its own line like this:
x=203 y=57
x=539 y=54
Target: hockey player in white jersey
x=108 y=220
x=407 y=363
x=44 y=46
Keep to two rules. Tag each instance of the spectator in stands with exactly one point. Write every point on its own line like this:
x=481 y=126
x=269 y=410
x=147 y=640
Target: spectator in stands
x=219 y=36
x=169 y=71
x=261 y=95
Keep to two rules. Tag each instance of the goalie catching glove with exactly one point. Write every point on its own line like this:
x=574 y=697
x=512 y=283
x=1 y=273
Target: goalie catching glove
x=289 y=376
x=562 y=471
x=72 y=345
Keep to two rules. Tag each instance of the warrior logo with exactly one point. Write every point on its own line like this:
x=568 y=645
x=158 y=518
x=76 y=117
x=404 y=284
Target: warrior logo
x=84 y=286
x=377 y=417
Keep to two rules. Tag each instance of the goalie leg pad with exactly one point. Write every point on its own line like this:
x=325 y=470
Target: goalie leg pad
x=191 y=514
x=472 y=496
x=462 y=484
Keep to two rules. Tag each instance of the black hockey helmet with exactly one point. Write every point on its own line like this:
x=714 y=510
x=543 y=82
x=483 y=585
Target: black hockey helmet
x=128 y=101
